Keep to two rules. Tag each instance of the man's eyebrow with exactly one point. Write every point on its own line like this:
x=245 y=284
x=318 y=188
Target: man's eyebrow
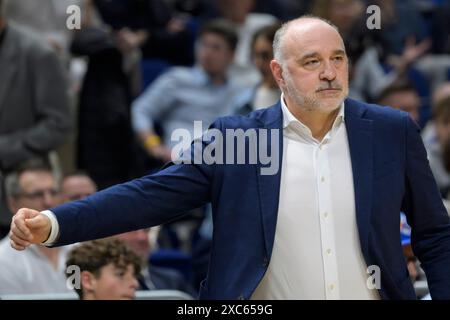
x=309 y=55
x=316 y=54
x=339 y=52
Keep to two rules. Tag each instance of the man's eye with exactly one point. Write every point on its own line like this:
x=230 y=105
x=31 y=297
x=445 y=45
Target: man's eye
x=120 y=274
x=311 y=62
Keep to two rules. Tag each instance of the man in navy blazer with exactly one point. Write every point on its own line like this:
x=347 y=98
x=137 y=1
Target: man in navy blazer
x=325 y=225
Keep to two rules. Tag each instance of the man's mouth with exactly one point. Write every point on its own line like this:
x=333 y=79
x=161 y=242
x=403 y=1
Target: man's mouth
x=329 y=89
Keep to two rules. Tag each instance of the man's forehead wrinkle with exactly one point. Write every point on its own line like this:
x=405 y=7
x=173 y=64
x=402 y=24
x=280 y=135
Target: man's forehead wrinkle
x=294 y=41
x=298 y=42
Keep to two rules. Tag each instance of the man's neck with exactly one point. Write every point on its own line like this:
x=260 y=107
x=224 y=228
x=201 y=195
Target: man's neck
x=217 y=79
x=318 y=122
x=270 y=83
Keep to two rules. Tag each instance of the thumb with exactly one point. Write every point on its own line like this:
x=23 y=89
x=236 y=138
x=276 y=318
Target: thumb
x=36 y=222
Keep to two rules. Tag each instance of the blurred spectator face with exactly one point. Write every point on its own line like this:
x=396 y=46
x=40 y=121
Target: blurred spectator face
x=407 y=101
x=446 y=159
x=139 y=241
x=235 y=10
x=441 y=116
x=112 y=283
x=109 y=269
x=214 y=54
x=344 y=13
x=77 y=187
x=262 y=55
x=314 y=71
x=441 y=93
x=38 y=190
x=442 y=125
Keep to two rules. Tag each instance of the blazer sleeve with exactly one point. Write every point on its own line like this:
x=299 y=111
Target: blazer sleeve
x=427 y=216
x=140 y=203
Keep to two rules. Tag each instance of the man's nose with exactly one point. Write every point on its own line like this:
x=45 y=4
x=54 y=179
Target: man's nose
x=134 y=284
x=49 y=200
x=329 y=72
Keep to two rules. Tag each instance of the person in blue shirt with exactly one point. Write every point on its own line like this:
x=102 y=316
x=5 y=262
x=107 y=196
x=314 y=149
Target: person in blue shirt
x=183 y=95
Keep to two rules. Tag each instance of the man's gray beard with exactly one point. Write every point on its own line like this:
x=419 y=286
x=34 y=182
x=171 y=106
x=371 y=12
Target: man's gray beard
x=306 y=102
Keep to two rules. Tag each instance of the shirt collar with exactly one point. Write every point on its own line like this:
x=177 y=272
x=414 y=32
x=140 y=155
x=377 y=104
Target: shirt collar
x=289 y=118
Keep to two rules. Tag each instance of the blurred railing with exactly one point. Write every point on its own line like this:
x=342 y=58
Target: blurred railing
x=140 y=295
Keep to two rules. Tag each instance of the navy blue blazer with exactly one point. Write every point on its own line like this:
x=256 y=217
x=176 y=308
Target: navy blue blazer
x=390 y=173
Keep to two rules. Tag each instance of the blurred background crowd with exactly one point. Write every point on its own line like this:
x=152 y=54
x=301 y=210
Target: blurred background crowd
x=81 y=110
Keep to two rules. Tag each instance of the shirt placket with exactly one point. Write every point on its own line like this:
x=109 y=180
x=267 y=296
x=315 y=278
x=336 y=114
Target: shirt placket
x=326 y=220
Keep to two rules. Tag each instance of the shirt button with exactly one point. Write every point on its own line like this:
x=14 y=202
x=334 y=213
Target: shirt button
x=325 y=214
x=331 y=287
x=322 y=179
x=328 y=251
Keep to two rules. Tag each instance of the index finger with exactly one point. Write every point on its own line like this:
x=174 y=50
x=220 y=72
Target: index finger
x=19 y=223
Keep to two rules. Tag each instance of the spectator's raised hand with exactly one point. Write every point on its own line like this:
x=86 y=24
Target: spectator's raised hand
x=411 y=53
x=160 y=152
x=128 y=40
x=414 y=50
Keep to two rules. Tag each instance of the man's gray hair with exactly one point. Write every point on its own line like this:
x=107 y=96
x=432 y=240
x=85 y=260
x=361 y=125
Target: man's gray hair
x=281 y=32
x=12 y=185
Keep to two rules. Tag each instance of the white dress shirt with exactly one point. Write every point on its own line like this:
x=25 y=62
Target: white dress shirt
x=316 y=252
x=30 y=271
x=55 y=228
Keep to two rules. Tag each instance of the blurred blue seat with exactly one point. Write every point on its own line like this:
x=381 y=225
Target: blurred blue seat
x=140 y=295
x=174 y=259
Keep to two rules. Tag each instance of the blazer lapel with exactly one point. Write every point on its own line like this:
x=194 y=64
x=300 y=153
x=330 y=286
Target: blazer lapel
x=269 y=185
x=7 y=65
x=359 y=132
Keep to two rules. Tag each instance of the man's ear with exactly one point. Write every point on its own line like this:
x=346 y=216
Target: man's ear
x=88 y=281
x=277 y=72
